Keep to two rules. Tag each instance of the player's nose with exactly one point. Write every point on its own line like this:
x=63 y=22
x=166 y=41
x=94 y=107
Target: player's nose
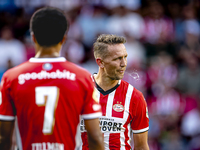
x=123 y=62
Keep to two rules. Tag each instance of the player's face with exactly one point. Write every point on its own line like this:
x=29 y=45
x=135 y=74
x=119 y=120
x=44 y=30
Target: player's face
x=116 y=61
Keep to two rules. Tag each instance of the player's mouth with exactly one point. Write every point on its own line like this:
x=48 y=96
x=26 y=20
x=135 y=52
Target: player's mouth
x=121 y=71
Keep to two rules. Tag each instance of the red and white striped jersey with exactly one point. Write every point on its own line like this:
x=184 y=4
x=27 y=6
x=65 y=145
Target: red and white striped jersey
x=124 y=111
x=46 y=96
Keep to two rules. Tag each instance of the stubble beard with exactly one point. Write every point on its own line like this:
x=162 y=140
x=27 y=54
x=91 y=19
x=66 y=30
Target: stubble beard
x=117 y=77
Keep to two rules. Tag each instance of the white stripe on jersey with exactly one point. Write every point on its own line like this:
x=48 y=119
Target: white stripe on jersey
x=128 y=99
x=18 y=136
x=39 y=60
x=108 y=114
x=106 y=140
x=129 y=134
x=109 y=105
x=7 y=118
x=91 y=116
x=78 y=138
x=98 y=95
x=140 y=131
x=122 y=141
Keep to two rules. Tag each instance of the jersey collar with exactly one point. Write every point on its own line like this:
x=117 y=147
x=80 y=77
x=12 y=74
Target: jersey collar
x=39 y=60
x=108 y=91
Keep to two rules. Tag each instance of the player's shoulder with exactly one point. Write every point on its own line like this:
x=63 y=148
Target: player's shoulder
x=124 y=83
x=78 y=68
x=12 y=72
x=81 y=73
x=11 y=75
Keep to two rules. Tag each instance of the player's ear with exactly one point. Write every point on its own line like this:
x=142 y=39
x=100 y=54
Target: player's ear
x=33 y=37
x=64 y=39
x=100 y=63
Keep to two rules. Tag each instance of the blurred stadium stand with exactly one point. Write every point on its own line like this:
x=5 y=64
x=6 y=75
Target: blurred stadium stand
x=163 y=45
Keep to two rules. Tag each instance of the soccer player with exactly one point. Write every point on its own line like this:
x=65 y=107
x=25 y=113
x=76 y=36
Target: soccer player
x=46 y=94
x=124 y=109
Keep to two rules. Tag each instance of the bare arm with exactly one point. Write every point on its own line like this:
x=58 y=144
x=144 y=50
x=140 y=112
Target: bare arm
x=140 y=141
x=6 y=132
x=95 y=137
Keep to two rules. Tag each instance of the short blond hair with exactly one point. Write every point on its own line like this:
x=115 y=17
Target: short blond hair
x=101 y=45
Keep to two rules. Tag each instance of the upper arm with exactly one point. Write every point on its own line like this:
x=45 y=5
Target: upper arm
x=6 y=132
x=91 y=108
x=92 y=127
x=140 y=141
x=6 y=117
x=90 y=113
x=95 y=137
x=7 y=111
x=140 y=122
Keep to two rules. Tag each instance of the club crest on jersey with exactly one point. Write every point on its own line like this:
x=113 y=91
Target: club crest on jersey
x=47 y=66
x=118 y=107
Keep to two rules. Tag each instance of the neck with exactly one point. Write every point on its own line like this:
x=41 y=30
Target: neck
x=105 y=82
x=47 y=52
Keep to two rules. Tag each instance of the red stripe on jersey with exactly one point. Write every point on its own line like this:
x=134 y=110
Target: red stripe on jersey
x=119 y=101
x=103 y=102
x=114 y=141
x=85 y=145
x=127 y=147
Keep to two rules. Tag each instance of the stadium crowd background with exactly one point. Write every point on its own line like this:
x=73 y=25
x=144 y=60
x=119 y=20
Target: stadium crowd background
x=163 y=45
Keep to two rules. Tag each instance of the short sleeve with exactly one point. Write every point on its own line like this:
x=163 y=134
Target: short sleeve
x=6 y=106
x=91 y=109
x=140 y=122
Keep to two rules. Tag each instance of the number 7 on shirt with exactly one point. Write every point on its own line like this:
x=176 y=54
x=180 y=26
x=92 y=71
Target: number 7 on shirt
x=47 y=96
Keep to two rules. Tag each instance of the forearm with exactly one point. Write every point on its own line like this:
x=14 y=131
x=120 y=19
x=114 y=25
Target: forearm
x=145 y=147
x=95 y=136
x=96 y=143
x=6 y=132
x=140 y=141
x=5 y=144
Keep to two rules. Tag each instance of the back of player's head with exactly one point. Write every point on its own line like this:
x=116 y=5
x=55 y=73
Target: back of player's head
x=102 y=42
x=48 y=26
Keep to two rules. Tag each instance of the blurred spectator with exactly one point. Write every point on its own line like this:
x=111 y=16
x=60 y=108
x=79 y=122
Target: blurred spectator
x=165 y=103
x=29 y=46
x=12 y=51
x=162 y=70
x=20 y=25
x=128 y=4
x=75 y=31
x=135 y=72
x=191 y=123
x=190 y=128
x=7 y=5
x=189 y=75
x=163 y=46
x=158 y=28
x=30 y=5
x=190 y=34
x=136 y=53
x=158 y=33
x=123 y=21
x=90 y=65
x=73 y=51
x=163 y=75
x=64 y=4
x=172 y=140
x=92 y=21
x=190 y=23
x=174 y=8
